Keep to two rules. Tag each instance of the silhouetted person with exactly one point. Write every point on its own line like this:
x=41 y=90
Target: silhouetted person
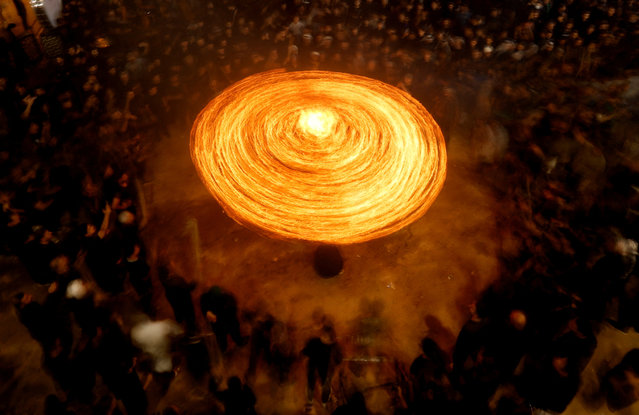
x=104 y=256
x=198 y=361
x=260 y=344
x=355 y=405
x=156 y=339
x=81 y=301
x=238 y=399
x=220 y=310
x=37 y=254
x=324 y=355
x=114 y=361
x=140 y=278
x=550 y=381
x=475 y=372
x=270 y=343
x=429 y=374
x=178 y=293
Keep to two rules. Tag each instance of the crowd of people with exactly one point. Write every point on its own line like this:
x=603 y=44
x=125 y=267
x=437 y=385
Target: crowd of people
x=541 y=92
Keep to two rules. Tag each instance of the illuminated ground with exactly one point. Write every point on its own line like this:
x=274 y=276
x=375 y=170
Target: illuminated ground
x=424 y=276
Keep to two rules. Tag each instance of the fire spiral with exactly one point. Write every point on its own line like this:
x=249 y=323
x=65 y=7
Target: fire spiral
x=319 y=156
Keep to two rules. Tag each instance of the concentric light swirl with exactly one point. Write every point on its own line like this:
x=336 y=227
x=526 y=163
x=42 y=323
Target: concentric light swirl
x=320 y=156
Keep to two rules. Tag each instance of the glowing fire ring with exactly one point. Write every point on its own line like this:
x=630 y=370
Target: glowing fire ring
x=319 y=156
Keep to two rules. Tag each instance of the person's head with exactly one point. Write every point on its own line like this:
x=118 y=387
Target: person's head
x=429 y=347
x=21 y=89
x=124 y=180
x=234 y=383
x=307 y=39
x=559 y=363
x=34 y=128
x=60 y=264
x=327 y=334
x=517 y=319
x=77 y=289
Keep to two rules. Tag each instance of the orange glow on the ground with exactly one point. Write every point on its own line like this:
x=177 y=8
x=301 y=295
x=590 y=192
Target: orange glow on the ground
x=319 y=156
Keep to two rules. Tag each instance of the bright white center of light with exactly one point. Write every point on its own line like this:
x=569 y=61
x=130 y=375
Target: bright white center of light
x=316 y=122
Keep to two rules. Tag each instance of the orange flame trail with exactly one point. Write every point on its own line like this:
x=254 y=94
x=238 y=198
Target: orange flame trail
x=320 y=156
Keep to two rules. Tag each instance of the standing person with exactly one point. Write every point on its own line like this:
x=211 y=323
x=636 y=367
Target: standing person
x=238 y=399
x=178 y=293
x=156 y=338
x=324 y=355
x=429 y=373
x=140 y=278
x=114 y=357
x=103 y=256
x=220 y=310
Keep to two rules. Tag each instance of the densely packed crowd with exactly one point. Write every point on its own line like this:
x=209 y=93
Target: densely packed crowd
x=549 y=122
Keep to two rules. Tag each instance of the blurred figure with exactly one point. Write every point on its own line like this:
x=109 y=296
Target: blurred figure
x=138 y=271
x=238 y=399
x=114 y=356
x=178 y=293
x=355 y=405
x=270 y=343
x=429 y=375
x=219 y=308
x=324 y=355
x=156 y=338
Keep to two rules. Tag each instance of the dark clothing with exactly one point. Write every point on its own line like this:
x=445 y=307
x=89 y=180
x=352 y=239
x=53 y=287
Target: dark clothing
x=178 y=293
x=238 y=399
x=85 y=314
x=224 y=307
x=114 y=361
x=475 y=370
x=198 y=361
x=36 y=257
x=140 y=279
x=57 y=317
x=104 y=259
x=322 y=360
x=356 y=405
x=430 y=385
